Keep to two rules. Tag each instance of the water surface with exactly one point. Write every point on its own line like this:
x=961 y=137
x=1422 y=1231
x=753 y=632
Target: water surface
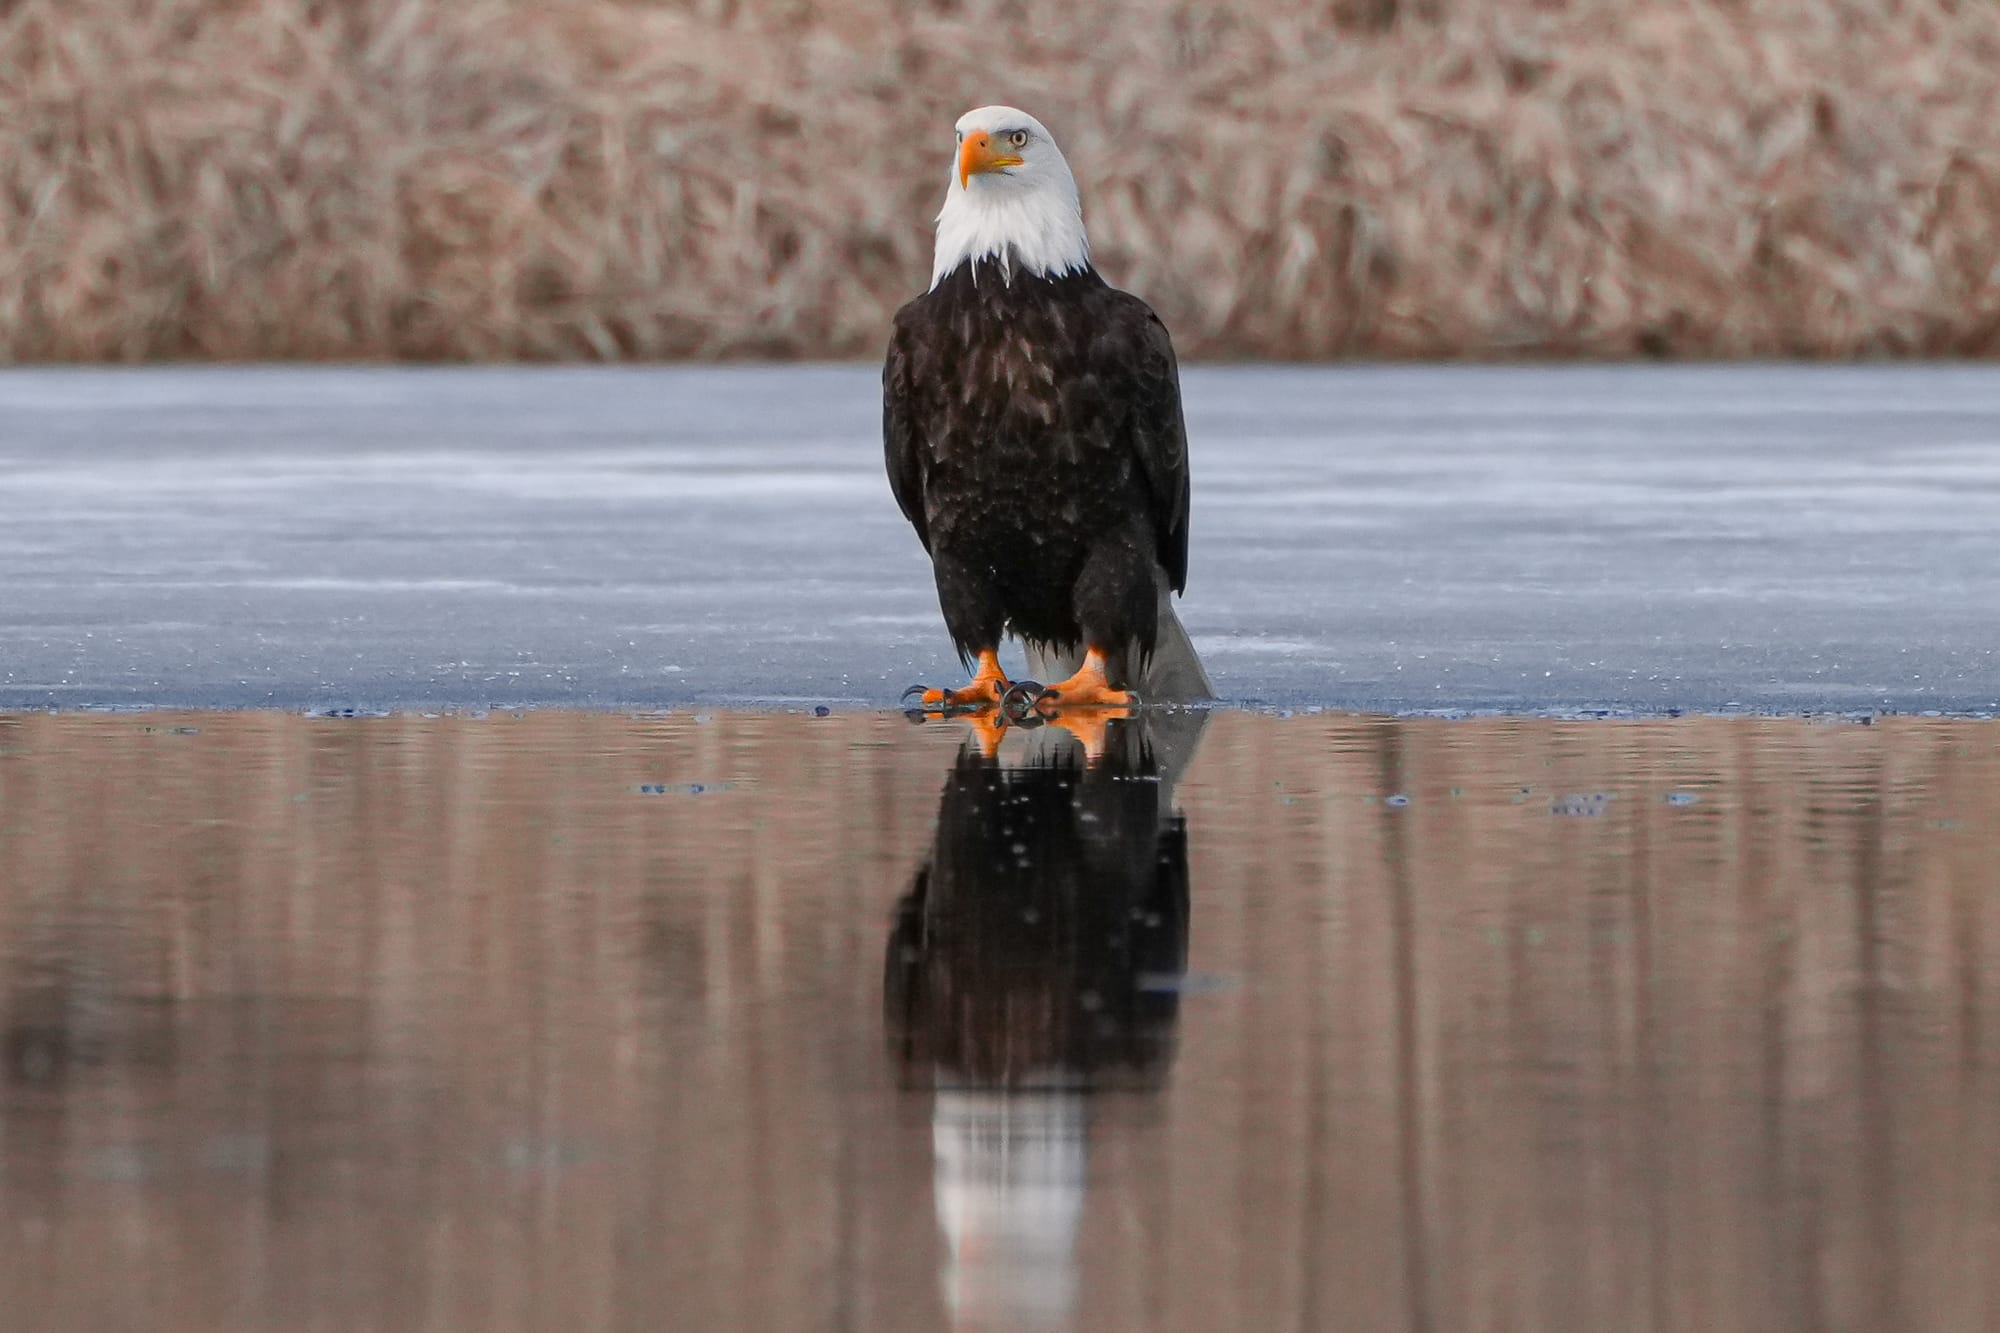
x=769 y=1021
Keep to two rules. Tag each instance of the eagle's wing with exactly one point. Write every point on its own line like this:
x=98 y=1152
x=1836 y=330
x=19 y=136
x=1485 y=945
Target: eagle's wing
x=902 y=443
x=1134 y=353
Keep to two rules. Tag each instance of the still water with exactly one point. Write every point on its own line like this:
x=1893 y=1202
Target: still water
x=760 y=1021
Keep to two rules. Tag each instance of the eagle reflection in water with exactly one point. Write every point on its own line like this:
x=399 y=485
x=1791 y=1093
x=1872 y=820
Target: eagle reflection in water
x=1035 y=961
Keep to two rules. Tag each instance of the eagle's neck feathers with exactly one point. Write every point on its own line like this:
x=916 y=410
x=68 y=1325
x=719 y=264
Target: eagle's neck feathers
x=1035 y=229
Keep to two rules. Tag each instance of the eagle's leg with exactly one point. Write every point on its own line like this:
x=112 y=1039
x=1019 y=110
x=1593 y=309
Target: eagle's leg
x=1117 y=603
x=988 y=683
x=1088 y=688
x=975 y=617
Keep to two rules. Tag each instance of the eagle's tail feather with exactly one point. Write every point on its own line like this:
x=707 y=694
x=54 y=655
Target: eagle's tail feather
x=1174 y=675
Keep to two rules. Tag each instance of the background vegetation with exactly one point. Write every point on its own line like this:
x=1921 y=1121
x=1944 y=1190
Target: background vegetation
x=609 y=178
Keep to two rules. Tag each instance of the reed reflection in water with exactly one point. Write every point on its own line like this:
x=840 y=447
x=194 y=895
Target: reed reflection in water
x=578 y=1020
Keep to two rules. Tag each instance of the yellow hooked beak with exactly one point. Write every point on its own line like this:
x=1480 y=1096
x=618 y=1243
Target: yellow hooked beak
x=976 y=155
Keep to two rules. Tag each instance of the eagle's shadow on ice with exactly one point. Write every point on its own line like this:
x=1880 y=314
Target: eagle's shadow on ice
x=1036 y=962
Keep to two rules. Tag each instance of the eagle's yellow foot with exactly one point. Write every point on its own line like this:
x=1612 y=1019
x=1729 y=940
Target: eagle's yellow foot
x=987 y=685
x=976 y=695
x=1088 y=688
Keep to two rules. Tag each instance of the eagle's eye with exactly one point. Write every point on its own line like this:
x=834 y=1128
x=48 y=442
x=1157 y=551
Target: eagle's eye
x=960 y=136
x=1019 y=138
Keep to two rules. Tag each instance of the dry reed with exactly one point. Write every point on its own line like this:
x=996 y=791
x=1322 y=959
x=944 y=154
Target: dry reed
x=476 y=179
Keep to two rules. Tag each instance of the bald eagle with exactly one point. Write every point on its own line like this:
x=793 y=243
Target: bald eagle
x=1031 y=419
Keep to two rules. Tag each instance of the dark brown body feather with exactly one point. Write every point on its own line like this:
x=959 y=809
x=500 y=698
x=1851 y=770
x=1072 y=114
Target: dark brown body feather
x=1034 y=439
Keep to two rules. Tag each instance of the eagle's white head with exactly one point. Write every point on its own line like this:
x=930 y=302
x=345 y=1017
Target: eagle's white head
x=1011 y=200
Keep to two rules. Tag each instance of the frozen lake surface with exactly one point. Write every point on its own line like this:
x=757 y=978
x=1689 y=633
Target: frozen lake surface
x=1777 y=538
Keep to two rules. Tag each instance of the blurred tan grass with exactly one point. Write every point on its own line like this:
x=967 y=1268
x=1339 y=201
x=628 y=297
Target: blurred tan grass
x=475 y=179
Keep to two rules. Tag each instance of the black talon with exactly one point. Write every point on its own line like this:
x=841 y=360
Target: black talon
x=1018 y=703
x=917 y=691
